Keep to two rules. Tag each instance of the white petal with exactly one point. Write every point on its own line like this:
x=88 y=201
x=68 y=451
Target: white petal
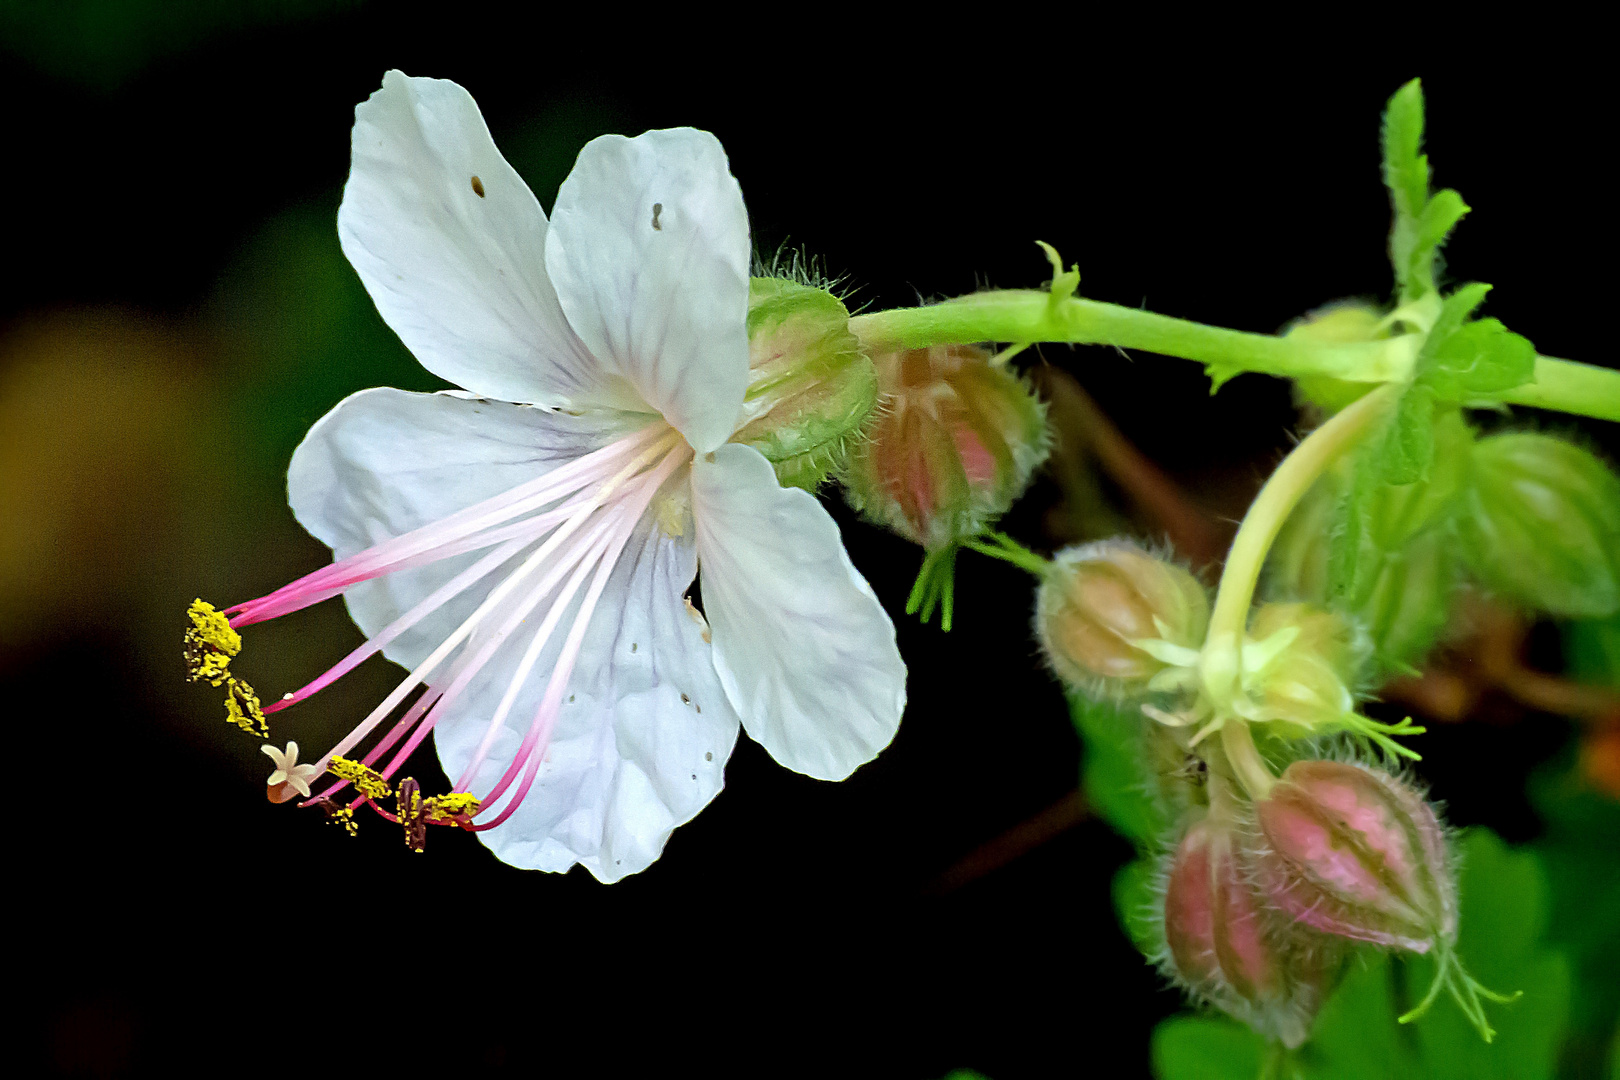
x=642 y=738
x=804 y=649
x=384 y=462
x=649 y=253
x=460 y=277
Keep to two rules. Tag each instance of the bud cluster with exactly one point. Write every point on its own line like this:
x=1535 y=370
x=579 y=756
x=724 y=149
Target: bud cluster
x=1262 y=899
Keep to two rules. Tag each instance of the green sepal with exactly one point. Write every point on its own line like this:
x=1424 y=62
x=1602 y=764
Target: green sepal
x=811 y=387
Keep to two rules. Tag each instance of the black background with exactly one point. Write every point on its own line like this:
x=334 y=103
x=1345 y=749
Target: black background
x=170 y=916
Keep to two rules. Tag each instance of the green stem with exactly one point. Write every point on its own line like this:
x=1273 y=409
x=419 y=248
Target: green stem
x=1277 y=500
x=1248 y=766
x=1027 y=315
x=1570 y=387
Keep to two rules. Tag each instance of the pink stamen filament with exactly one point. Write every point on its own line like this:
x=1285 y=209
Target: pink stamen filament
x=590 y=507
x=537 y=740
x=594 y=543
x=496 y=597
x=389 y=555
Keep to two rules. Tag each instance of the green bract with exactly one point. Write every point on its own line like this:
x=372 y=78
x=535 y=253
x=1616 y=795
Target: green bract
x=810 y=385
x=1542 y=525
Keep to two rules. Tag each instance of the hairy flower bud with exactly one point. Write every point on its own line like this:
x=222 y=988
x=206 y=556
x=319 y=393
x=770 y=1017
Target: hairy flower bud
x=1356 y=852
x=955 y=442
x=1100 y=601
x=1345 y=323
x=1542 y=525
x=1221 y=944
x=1404 y=599
x=811 y=388
x=1304 y=658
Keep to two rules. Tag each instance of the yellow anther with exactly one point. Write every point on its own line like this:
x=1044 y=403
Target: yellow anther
x=445 y=809
x=409 y=809
x=242 y=708
x=345 y=818
x=366 y=780
x=210 y=644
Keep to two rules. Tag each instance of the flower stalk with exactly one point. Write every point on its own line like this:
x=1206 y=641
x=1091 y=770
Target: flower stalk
x=1030 y=315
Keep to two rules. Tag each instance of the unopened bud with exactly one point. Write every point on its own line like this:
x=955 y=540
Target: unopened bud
x=1100 y=602
x=1542 y=525
x=811 y=388
x=1221 y=944
x=1409 y=568
x=955 y=442
x=1347 y=323
x=1303 y=659
x=1356 y=852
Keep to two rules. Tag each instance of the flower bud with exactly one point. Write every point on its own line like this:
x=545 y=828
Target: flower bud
x=955 y=443
x=811 y=388
x=1303 y=659
x=1346 y=323
x=1221 y=944
x=1542 y=525
x=1101 y=600
x=1356 y=852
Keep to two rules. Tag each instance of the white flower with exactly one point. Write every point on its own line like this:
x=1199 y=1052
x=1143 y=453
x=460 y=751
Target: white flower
x=526 y=546
x=288 y=773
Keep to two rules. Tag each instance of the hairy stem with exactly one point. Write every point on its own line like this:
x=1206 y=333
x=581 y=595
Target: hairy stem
x=1277 y=500
x=1570 y=387
x=1028 y=315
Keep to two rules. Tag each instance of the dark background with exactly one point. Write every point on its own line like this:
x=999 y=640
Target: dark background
x=176 y=312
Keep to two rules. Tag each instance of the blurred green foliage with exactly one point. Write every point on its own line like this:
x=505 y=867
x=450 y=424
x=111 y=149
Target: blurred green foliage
x=104 y=43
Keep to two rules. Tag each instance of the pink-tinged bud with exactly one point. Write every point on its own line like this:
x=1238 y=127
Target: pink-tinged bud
x=1222 y=946
x=1356 y=852
x=955 y=442
x=1098 y=604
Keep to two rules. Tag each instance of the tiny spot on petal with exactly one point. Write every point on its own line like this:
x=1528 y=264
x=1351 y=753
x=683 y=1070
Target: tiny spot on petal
x=658 y=208
x=699 y=708
x=709 y=756
x=570 y=699
x=478 y=187
x=694 y=776
x=632 y=646
x=685 y=700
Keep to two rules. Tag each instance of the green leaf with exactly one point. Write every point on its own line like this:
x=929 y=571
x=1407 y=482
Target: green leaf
x=1116 y=784
x=1593 y=647
x=1482 y=357
x=1137 y=902
x=1207 y=1048
x=1407 y=449
x=1422 y=222
x=1406 y=170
